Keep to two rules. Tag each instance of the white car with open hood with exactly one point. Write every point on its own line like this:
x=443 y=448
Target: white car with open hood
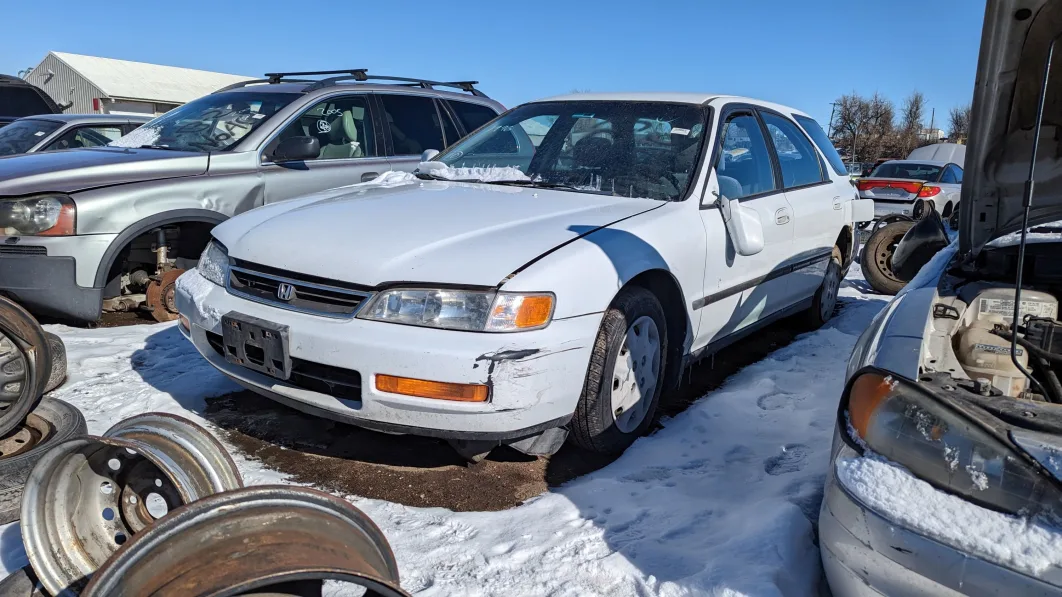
x=947 y=461
x=547 y=276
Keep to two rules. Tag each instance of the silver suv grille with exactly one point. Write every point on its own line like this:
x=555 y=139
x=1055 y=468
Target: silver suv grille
x=295 y=292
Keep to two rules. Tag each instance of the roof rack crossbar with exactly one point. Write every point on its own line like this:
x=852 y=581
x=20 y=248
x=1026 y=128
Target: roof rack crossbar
x=358 y=74
x=256 y=81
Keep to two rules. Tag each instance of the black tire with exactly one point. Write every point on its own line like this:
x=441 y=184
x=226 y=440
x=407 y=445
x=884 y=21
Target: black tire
x=953 y=220
x=24 y=340
x=57 y=350
x=824 y=302
x=57 y=421
x=593 y=426
x=876 y=259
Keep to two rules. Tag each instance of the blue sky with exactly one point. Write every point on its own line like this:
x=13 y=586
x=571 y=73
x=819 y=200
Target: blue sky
x=804 y=54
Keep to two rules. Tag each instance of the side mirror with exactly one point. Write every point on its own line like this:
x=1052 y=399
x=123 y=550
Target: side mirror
x=743 y=225
x=297 y=149
x=919 y=245
x=429 y=155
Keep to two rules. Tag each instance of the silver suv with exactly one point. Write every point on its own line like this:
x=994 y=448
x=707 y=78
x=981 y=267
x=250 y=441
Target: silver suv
x=111 y=228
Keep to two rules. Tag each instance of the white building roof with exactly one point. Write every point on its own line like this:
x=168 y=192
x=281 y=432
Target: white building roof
x=140 y=80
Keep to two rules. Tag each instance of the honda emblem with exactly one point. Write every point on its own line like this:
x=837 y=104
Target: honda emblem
x=285 y=291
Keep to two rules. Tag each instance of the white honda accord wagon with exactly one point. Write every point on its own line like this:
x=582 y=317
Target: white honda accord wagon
x=547 y=277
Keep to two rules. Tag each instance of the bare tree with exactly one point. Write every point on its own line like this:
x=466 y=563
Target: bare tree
x=959 y=125
x=913 y=113
x=865 y=127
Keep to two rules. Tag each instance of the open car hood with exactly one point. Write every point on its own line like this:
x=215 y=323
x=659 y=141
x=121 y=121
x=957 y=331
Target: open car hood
x=1010 y=72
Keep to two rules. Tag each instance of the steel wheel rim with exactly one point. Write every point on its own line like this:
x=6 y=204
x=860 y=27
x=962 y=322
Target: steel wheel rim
x=885 y=258
x=14 y=372
x=636 y=374
x=829 y=290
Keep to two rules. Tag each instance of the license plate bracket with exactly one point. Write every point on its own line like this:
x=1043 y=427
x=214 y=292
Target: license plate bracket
x=256 y=344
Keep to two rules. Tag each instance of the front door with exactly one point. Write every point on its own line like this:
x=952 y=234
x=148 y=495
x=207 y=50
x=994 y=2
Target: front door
x=738 y=289
x=350 y=151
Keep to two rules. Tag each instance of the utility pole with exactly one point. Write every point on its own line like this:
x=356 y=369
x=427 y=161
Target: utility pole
x=932 y=121
x=829 y=127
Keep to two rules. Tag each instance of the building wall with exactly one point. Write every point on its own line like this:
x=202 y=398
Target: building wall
x=64 y=85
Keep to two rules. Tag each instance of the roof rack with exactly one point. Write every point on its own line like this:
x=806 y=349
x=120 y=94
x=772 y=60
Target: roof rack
x=360 y=75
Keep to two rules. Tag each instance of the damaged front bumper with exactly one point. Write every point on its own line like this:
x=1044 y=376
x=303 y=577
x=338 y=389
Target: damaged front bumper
x=535 y=378
x=866 y=555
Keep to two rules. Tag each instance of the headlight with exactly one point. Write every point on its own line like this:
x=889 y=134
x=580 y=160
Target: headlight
x=42 y=215
x=214 y=263
x=468 y=310
x=940 y=444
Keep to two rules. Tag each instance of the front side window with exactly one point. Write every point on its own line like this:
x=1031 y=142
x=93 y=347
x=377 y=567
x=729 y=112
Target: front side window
x=472 y=116
x=629 y=149
x=825 y=145
x=800 y=164
x=744 y=167
x=86 y=136
x=341 y=124
x=215 y=122
x=908 y=171
x=21 y=135
x=414 y=123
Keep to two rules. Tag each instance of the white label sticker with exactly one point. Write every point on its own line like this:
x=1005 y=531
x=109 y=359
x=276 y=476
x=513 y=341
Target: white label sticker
x=258 y=116
x=1005 y=308
x=39 y=134
x=677 y=131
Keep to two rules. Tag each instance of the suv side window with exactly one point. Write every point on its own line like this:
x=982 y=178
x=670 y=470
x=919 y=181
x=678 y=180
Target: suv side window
x=800 y=164
x=414 y=123
x=450 y=130
x=86 y=136
x=472 y=116
x=744 y=165
x=825 y=145
x=342 y=125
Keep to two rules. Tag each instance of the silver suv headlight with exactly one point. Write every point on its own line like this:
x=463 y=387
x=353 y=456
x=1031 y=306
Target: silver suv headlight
x=41 y=215
x=214 y=263
x=467 y=310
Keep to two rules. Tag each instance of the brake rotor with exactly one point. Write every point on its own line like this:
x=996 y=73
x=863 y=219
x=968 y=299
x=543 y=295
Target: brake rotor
x=161 y=296
x=88 y=496
x=25 y=436
x=264 y=540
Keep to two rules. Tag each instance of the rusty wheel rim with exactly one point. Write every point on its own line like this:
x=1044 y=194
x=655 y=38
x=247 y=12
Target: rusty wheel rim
x=24 y=437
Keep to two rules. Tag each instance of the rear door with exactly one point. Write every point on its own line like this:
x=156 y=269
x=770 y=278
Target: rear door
x=818 y=208
x=350 y=149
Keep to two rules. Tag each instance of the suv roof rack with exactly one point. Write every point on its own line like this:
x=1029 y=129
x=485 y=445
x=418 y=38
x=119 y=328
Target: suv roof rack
x=359 y=75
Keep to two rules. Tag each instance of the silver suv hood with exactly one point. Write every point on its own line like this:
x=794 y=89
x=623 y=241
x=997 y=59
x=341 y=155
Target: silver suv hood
x=80 y=169
x=1014 y=44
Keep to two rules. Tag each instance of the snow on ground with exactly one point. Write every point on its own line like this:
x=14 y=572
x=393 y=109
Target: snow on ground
x=721 y=501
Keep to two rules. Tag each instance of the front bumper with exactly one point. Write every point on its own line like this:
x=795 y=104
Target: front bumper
x=46 y=285
x=535 y=377
x=866 y=555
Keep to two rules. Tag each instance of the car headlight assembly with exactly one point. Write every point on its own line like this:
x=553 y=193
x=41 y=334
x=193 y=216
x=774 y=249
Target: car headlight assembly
x=214 y=263
x=465 y=310
x=943 y=445
x=41 y=215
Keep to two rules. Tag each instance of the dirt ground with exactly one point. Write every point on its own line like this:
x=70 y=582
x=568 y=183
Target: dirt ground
x=419 y=471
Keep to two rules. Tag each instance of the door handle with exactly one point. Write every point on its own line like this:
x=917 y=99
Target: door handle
x=369 y=176
x=781 y=217
x=837 y=202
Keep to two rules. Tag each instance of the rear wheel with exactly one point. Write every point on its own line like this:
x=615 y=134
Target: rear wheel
x=876 y=259
x=825 y=300
x=625 y=376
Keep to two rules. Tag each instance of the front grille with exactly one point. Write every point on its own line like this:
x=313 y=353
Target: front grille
x=22 y=250
x=309 y=294
x=315 y=377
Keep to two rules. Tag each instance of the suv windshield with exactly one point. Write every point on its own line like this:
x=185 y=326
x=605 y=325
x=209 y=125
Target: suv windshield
x=629 y=149
x=923 y=172
x=21 y=135
x=212 y=123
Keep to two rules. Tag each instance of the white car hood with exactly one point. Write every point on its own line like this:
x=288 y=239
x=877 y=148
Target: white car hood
x=1009 y=76
x=435 y=232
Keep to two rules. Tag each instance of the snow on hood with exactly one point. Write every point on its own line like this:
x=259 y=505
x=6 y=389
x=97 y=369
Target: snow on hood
x=1006 y=93
x=477 y=174
x=422 y=231
x=70 y=171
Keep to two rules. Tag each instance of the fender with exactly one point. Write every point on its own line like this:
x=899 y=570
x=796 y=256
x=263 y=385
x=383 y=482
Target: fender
x=145 y=225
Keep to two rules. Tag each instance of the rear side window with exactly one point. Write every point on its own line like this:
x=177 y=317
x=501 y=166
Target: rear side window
x=413 y=122
x=472 y=116
x=825 y=146
x=800 y=164
x=449 y=127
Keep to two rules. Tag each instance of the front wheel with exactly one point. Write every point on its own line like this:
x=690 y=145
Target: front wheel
x=625 y=376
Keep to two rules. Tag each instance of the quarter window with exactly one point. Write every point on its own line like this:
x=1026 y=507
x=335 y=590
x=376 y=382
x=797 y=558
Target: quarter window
x=800 y=164
x=341 y=124
x=414 y=123
x=952 y=175
x=825 y=145
x=744 y=164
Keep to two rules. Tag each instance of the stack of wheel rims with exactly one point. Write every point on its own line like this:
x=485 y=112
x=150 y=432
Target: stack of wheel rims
x=32 y=363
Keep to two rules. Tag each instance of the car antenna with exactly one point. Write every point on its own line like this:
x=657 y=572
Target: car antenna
x=1030 y=185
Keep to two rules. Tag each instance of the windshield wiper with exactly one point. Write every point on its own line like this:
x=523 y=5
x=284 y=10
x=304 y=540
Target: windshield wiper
x=166 y=147
x=541 y=184
x=429 y=176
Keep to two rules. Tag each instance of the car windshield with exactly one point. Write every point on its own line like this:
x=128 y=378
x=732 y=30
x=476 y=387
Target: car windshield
x=21 y=135
x=630 y=149
x=215 y=122
x=923 y=172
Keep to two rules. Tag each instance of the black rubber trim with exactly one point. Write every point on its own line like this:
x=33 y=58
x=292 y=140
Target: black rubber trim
x=771 y=275
x=48 y=286
x=145 y=225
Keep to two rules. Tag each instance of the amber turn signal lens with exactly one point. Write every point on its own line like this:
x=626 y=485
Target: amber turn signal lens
x=534 y=311
x=868 y=392
x=66 y=225
x=432 y=389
